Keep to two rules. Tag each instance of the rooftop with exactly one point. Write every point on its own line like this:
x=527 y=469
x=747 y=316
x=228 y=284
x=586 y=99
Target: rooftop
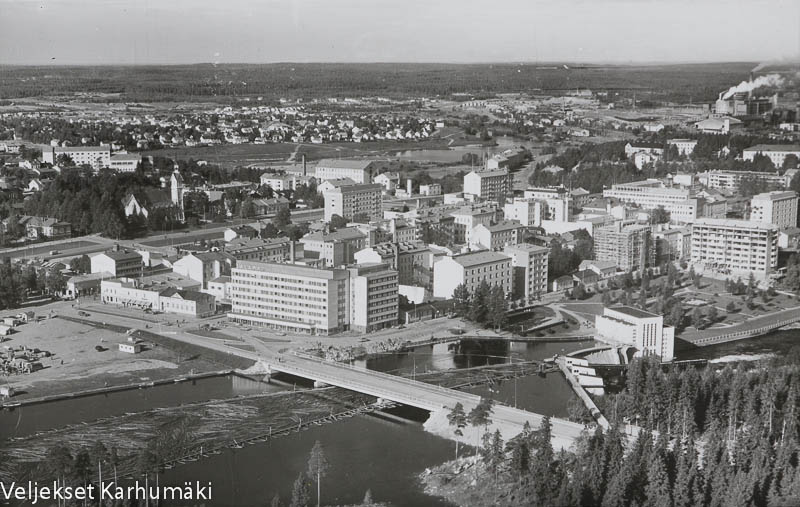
x=342 y=163
x=343 y=234
x=634 y=312
x=774 y=147
x=735 y=224
x=481 y=257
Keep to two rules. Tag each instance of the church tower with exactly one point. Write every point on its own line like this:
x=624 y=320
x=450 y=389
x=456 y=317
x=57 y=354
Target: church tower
x=176 y=183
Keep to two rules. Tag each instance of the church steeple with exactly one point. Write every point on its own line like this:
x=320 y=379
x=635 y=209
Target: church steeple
x=176 y=183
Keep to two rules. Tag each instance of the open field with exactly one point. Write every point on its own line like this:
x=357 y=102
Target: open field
x=75 y=365
x=279 y=153
x=232 y=82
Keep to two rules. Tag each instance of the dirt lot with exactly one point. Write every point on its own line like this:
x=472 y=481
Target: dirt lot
x=76 y=365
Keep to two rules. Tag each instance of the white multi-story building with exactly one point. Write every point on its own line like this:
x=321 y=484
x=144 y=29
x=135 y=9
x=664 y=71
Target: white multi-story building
x=529 y=270
x=648 y=194
x=373 y=297
x=467 y=218
x=496 y=236
x=335 y=248
x=731 y=179
x=777 y=208
x=353 y=200
x=685 y=146
x=290 y=297
x=556 y=203
x=643 y=330
x=125 y=162
x=97 y=157
x=430 y=189
x=734 y=246
x=119 y=262
x=628 y=244
x=471 y=269
x=489 y=185
x=360 y=171
x=777 y=153
x=528 y=212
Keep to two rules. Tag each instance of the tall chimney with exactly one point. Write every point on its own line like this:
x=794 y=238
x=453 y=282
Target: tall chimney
x=291 y=252
x=304 y=164
x=409 y=184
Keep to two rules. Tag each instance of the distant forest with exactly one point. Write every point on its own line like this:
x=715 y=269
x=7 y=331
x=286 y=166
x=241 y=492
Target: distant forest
x=679 y=83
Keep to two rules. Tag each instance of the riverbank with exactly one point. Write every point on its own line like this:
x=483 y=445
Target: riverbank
x=455 y=482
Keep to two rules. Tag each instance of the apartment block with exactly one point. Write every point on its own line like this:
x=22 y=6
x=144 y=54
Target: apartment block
x=496 y=236
x=648 y=194
x=734 y=246
x=529 y=267
x=373 y=297
x=626 y=243
x=97 y=157
x=335 y=248
x=777 y=153
x=119 y=262
x=730 y=179
x=256 y=249
x=352 y=200
x=413 y=261
x=488 y=185
x=777 y=208
x=360 y=171
x=290 y=297
x=685 y=146
x=471 y=269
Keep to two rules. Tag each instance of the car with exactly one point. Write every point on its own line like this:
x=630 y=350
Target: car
x=84 y=314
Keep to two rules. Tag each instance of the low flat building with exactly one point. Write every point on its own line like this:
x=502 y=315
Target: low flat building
x=85 y=285
x=643 y=330
x=265 y=250
x=130 y=293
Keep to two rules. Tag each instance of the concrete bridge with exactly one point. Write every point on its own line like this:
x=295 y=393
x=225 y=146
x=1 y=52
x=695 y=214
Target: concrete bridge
x=436 y=399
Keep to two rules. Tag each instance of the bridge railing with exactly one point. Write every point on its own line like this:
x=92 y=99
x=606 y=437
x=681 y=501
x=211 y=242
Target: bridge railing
x=367 y=388
x=393 y=378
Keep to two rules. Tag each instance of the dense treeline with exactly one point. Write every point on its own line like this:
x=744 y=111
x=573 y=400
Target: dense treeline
x=597 y=166
x=229 y=82
x=722 y=438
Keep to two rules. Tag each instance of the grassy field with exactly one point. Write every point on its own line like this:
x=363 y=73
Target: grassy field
x=279 y=153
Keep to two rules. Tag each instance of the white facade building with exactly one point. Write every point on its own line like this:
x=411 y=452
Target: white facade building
x=352 y=200
x=471 y=269
x=777 y=153
x=489 y=185
x=643 y=330
x=360 y=171
x=777 y=208
x=734 y=246
x=529 y=267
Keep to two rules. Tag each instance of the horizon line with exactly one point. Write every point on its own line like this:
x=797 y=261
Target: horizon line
x=377 y=62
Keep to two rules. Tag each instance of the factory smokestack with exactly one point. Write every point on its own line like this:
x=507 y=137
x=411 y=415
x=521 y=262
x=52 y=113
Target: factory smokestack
x=409 y=184
x=304 y=164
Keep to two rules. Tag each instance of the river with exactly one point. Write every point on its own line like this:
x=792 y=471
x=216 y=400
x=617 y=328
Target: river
x=365 y=451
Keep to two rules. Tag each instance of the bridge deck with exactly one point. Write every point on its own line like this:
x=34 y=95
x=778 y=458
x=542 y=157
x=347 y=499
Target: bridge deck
x=410 y=392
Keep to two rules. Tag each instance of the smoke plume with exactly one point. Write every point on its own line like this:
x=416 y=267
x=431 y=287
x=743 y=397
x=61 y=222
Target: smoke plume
x=772 y=80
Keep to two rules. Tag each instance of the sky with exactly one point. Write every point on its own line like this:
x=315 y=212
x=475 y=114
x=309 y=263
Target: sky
x=263 y=31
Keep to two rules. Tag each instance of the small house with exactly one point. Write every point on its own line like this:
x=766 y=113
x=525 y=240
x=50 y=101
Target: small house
x=563 y=283
x=131 y=348
x=6 y=391
x=5 y=330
